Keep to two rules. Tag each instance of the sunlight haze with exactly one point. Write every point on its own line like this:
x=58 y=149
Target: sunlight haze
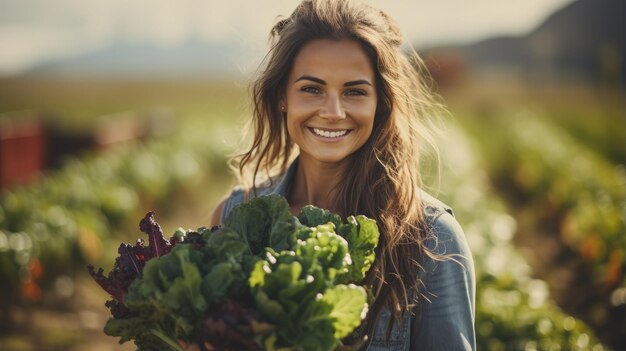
x=36 y=31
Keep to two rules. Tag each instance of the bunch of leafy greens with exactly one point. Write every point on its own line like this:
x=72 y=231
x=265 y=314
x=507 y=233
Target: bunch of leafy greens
x=264 y=280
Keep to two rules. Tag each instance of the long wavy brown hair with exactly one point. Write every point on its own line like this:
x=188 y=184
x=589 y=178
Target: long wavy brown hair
x=382 y=180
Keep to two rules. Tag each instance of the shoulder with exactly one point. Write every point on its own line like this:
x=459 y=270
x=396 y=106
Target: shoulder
x=433 y=208
x=236 y=196
x=446 y=235
x=450 y=258
x=216 y=216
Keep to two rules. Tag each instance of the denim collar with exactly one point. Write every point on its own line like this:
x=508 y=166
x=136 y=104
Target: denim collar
x=284 y=184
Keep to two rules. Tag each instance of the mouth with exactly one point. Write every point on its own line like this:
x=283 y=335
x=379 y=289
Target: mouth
x=330 y=133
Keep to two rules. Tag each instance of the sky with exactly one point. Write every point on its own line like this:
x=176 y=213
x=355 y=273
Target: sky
x=36 y=31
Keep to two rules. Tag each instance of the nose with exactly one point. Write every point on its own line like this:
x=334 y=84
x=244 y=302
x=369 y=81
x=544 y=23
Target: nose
x=332 y=108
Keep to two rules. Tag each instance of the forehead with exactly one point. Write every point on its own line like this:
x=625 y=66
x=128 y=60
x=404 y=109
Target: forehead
x=328 y=59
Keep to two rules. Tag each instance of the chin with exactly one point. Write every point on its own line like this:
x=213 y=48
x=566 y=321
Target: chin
x=329 y=158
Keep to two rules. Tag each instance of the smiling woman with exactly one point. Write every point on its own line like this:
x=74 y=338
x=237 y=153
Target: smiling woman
x=340 y=118
x=330 y=100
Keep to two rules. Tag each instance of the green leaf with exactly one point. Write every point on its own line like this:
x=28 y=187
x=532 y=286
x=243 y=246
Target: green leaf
x=217 y=284
x=284 y=276
x=137 y=329
x=126 y=328
x=265 y=221
x=325 y=249
x=168 y=295
x=272 y=310
x=362 y=235
x=222 y=239
x=315 y=329
x=312 y=216
x=349 y=306
x=183 y=293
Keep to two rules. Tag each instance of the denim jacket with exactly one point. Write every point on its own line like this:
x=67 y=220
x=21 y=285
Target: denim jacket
x=446 y=315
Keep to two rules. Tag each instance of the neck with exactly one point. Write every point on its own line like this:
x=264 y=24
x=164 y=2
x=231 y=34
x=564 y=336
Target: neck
x=314 y=184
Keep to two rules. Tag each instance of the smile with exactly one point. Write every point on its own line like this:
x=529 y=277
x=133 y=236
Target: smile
x=330 y=133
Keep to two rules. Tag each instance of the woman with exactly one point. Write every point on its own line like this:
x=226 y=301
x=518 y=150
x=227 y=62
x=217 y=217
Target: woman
x=339 y=115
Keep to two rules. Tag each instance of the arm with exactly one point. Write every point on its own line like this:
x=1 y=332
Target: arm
x=447 y=321
x=216 y=215
x=226 y=205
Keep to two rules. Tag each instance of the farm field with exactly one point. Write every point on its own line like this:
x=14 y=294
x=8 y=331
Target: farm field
x=537 y=178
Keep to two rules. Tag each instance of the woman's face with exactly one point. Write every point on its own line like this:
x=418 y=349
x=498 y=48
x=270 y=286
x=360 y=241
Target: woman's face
x=330 y=100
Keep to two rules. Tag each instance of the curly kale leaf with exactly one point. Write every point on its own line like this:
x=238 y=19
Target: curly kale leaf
x=295 y=290
x=362 y=235
x=312 y=216
x=170 y=292
x=360 y=232
x=265 y=221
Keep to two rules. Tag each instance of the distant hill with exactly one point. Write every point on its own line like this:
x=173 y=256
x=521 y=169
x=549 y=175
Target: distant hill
x=191 y=59
x=584 y=41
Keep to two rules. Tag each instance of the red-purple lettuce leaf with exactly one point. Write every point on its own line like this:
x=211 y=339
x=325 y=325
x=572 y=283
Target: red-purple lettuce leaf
x=132 y=259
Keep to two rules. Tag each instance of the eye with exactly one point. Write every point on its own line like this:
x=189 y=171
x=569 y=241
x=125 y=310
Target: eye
x=356 y=92
x=310 y=89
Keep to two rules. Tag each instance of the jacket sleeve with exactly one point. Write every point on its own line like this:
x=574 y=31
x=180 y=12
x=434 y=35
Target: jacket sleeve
x=445 y=320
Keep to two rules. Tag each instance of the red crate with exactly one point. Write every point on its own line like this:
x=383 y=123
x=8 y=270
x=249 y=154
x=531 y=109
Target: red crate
x=22 y=151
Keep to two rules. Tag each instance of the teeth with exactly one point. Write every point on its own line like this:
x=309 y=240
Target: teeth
x=329 y=134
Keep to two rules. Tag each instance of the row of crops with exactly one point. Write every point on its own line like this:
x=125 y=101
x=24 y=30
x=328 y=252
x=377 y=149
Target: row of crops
x=514 y=310
x=562 y=179
x=570 y=204
x=51 y=230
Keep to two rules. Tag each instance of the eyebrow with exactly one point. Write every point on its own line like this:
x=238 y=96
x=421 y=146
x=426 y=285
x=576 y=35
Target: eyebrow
x=346 y=84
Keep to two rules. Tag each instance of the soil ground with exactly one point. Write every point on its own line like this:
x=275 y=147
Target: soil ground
x=72 y=325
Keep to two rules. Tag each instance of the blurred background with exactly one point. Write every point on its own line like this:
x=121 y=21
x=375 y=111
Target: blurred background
x=111 y=109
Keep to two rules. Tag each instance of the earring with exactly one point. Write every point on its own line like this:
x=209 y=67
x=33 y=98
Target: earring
x=282 y=108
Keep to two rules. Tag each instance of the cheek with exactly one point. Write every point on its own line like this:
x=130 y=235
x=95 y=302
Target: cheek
x=366 y=116
x=365 y=108
x=293 y=128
